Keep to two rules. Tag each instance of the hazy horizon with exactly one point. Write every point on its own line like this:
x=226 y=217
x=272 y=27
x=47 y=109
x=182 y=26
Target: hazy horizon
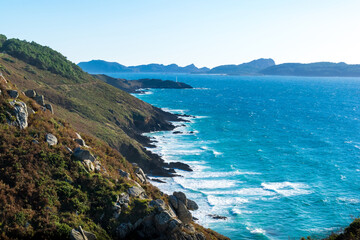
x=205 y=33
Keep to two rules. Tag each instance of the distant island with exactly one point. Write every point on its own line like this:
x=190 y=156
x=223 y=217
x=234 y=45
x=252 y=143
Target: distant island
x=262 y=66
x=133 y=86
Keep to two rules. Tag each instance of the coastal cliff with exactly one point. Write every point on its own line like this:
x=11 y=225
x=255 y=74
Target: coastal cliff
x=59 y=178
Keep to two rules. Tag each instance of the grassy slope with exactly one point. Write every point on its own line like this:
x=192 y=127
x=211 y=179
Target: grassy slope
x=91 y=106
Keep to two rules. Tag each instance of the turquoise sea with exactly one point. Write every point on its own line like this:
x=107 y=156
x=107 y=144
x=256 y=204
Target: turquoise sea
x=278 y=156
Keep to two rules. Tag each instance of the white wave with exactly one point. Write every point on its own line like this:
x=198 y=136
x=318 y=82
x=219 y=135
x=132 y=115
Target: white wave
x=201 y=117
x=349 y=200
x=196 y=184
x=243 y=192
x=209 y=174
x=225 y=201
x=287 y=188
x=237 y=211
x=256 y=230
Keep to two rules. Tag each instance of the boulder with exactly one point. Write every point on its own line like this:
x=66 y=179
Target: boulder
x=34 y=141
x=81 y=155
x=181 y=196
x=49 y=107
x=173 y=201
x=80 y=142
x=40 y=100
x=136 y=192
x=51 y=139
x=192 y=205
x=183 y=213
x=123 y=230
x=21 y=113
x=141 y=175
x=174 y=225
x=80 y=234
x=13 y=93
x=88 y=165
x=124 y=174
x=161 y=221
x=30 y=93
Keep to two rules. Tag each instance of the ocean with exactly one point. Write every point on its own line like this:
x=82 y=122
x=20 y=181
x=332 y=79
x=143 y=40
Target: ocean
x=278 y=156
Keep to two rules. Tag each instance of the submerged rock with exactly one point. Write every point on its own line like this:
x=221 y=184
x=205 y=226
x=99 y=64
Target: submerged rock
x=21 y=113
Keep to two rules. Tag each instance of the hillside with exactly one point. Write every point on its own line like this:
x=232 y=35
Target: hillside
x=58 y=184
x=319 y=69
x=134 y=85
x=100 y=66
x=250 y=68
x=89 y=104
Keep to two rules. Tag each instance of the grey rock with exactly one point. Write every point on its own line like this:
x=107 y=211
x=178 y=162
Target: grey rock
x=80 y=141
x=49 y=107
x=88 y=165
x=21 y=113
x=174 y=225
x=173 y=201
x=81 y=155
x=34 y=141
x=123 y=198
x=30 y=110
x=183 y=213
x=13 y=93
x=137 y=223
x=159 y=204
x=192 y=205
x=123 y=173
x=69 y=150
x=136 y=192
x=161 y=221
x=80 y=234
x=30 y=93
x=181 y=197
x=123 y=230
x=40 y=100
x=51 y=139
x=141 y=175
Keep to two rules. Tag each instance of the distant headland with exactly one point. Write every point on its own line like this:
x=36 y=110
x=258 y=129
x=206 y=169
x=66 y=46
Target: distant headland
x=262 y=66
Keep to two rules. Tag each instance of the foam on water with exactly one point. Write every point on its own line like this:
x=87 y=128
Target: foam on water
x=287 y=188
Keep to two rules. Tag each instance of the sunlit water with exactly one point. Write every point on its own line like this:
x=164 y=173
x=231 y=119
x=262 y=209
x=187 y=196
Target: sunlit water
x=278 y=156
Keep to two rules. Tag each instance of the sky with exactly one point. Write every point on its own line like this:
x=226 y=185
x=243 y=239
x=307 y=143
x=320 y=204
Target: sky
x=204 y=32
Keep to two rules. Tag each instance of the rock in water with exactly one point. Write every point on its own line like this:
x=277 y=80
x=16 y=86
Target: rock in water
x=192 y=205
x=81 y=155
x=51 y=139
x=21 y=113
x=30 y=93
x=13 y=93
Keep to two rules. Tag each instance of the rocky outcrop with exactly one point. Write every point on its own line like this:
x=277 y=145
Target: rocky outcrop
x=80 y=234
x=81 y=155
x=182 y=205
x=88 y=165
x=123 y=230
x=13 y=93
x=49 y=107
x=121 y=204
x=21 y=113
x=136 y=191
x=141 y=175
x=39 y=99
x=30 y=93
x=51 y=139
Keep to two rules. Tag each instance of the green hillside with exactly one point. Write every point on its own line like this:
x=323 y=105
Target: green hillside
x=89 y=104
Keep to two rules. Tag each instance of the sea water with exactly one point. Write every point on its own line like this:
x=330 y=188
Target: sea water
x=278 y=156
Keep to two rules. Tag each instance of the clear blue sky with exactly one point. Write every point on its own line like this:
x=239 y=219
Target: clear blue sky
x=203 y=32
